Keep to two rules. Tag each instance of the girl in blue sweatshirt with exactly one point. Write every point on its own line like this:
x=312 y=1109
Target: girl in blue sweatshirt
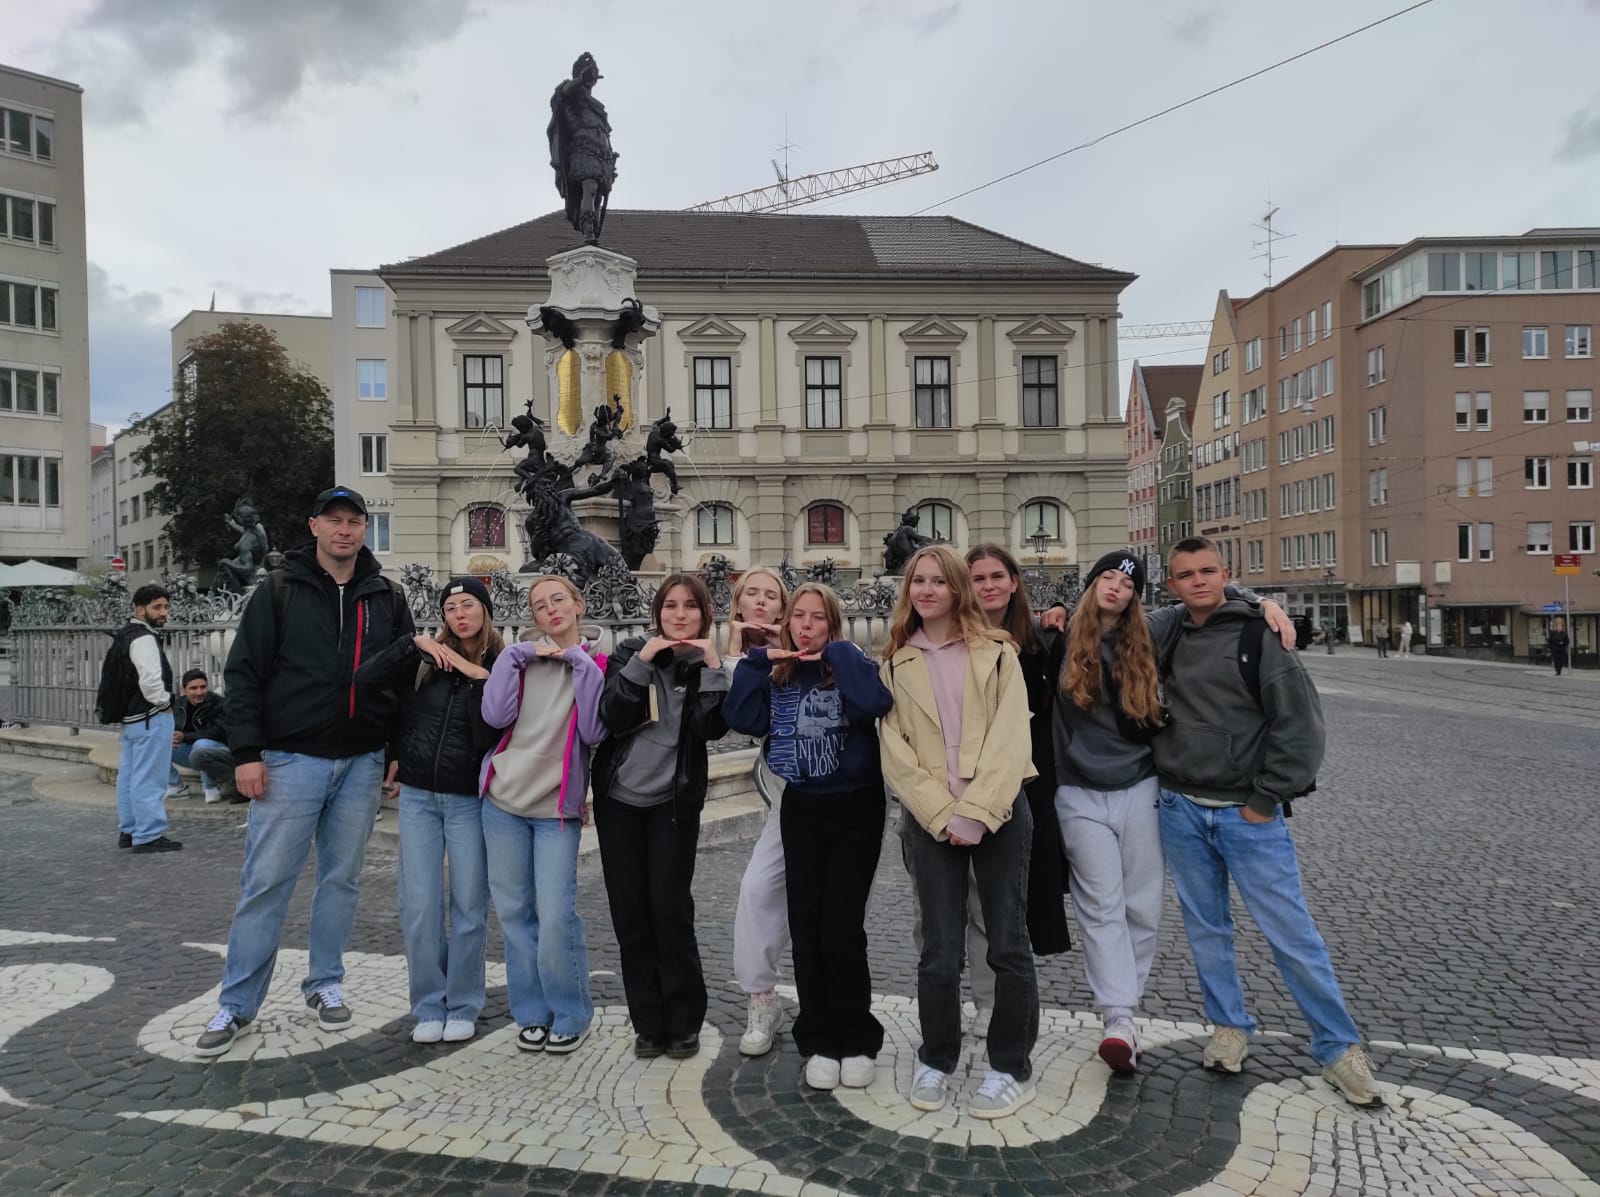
x=816 y=700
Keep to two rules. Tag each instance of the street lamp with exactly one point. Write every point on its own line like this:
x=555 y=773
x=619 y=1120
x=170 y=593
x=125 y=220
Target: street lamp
x=1330 y=624
x=1040 y=539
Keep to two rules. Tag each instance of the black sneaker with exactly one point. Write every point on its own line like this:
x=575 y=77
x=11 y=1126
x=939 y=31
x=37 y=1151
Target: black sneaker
x=328 y=1002
x=124 y=839
x=533 y=1039
x=224 y=1027
x=560 y=1045
x=162 y=844
x=683 y=1046
x=646 y=1048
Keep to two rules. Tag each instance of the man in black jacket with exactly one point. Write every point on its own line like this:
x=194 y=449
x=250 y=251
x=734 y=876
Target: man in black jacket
x=308 y=745
x=201 y=739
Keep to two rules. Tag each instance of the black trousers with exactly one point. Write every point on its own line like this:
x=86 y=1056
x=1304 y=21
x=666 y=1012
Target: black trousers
x=831 y=844
x=648 y=861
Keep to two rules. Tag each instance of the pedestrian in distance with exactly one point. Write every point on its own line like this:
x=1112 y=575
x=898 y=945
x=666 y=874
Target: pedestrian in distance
x=1241 y=741
x=136 y=693
x=1559 y=643
x=1380 y=637
x=956 y=751
x=199 y=739
x=662 y=705
x=1405 y=638
x=436 y=760
x=761 y=919
x=545 y=694
x=308 y=741
x=815 y=699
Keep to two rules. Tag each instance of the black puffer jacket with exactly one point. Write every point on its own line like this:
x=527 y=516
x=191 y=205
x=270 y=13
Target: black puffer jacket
x=442 y=736
x=207 y=721
x=1047 y=870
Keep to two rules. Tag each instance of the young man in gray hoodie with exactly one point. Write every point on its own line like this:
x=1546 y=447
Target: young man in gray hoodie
x=1229 y=758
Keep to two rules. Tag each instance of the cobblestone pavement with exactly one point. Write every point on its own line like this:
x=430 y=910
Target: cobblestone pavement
x=1449 y=855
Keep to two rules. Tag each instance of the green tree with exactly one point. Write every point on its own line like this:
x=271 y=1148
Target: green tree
x=244 y=421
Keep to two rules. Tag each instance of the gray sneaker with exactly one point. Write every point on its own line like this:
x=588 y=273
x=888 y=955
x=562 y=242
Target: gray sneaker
x=225 y=1026
x=328 y=1002
x=930 y=1088
x=1001 y=1094
x=1227 y=1050
x=1351 y=1075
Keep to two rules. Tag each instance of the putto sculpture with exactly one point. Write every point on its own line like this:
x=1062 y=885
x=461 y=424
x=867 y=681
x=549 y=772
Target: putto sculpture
x=899 y=545
x=580 y=149
x=238 y=573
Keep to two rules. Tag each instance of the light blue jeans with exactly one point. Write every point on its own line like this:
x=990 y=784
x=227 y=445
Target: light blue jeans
x=533 y=877
x=1205 y=846
x=180 y=756
x=308 y=798
x=144 y=758
x=446 y=971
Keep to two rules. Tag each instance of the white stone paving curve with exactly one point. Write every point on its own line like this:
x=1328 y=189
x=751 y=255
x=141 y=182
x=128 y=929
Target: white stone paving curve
x=19 y=939
x=31 y=993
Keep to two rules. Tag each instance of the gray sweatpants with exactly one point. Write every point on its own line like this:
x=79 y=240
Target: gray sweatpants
x=761 y=922
x=1113 y=843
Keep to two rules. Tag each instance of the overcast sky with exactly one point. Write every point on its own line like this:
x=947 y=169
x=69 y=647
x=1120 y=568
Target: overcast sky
x=245 y=147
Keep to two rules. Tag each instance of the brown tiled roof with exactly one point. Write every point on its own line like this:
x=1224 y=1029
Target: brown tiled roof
x=785 y=245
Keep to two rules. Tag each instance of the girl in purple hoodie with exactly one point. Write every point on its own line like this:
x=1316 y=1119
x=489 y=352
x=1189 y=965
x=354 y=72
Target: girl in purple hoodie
x=533 y=785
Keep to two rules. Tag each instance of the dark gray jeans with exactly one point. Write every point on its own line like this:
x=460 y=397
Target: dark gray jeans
x=939 y=871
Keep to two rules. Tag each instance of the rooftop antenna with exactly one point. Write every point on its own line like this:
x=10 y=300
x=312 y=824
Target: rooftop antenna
x=1269 y=241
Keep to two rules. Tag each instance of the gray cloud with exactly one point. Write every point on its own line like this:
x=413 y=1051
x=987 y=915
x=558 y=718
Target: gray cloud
x=268 y=51
x=1583 y=131
x=922 y=18
x=235 y=297
x=1194 y=28
x=130 y=349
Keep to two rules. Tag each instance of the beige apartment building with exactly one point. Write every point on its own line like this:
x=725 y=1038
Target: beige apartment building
x=141 y=530
x=44 y=322
x=1149 y=391
x=826 y=372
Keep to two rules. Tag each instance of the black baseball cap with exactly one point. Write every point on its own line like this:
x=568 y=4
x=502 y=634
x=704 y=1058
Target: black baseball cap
x=338 y=494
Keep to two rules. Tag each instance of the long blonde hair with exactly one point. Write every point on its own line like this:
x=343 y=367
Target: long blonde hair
x=783 y=671
x=765 y=571
x=971 y=624
x=1133 y=660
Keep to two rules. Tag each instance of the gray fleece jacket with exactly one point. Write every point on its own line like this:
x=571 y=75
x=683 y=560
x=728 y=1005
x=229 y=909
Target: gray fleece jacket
x=1218 y=744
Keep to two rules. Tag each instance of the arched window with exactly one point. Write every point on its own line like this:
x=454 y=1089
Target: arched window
x=713 y=524
x=1041 y=513
x=825 y=524
x=937 y=520
x=486 y=527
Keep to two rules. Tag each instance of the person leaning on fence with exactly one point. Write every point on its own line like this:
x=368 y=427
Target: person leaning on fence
x=136 y=691
x=309 y=742
x=199 y=741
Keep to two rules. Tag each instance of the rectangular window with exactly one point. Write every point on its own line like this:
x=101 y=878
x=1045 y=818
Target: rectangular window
x=1535 y=407
x=1283 y=341
x=1314 y=550
x=1484 y=411
x=1327 y=319
x=1555 y=270
x=1298 y=436
x=50 y=394
x=372 y=378
x=1580 y=407
x=1311 y=438
x=1300 y=552
x=26 y=388
x=1485 y=477
x=1283 y=552
x=1375 y=371
x=1295 y=334
x=1327 y=376
x=1462 y=351
x=1378 y=540
x=1311 y=327
x=932 y=392
x=486 y=527
x=1480 y=347
x=1300 y=498
x=1481 y=272
x=1378 y=425
x=1577 y=341
x=1328 y=545
x=1536 y=341
x=1539 y=538
x=1284 y=510
x=1517 y=271
x=483 y=380
x=1463 y=411
x=824 y=392
x=713 y=524
x=1283 y=394
x=1580 y=473
x=1536 y=473
x=18 y=131
x=24 y=305
x=137 y=561
x=713 y=394
x=1580 y=536
x=47 y=223
x=1327 y=433
x=43 y=135
x=825 y=524
x=1485 y=542
x=1252 y=355
x=374 y=453
x=1584 y=261
x=1040 y=403
x=378 y=532
x=21 y=218
x=1283 y=448
x=1464 y=540
x=1444 y=272
x=134 y=507
x=1463 y=477
x=369 y=307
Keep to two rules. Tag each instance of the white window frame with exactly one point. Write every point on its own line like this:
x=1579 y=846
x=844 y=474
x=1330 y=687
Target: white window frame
x=374 y=454
x=1535 y=342
x=1578 y=342
x=377 y=541
x=1585 y=412
x=1463 y=411
x=1535 y=473
x=1580 y=536
x=1483 y=406
x=1375 y=366
x=1535 y=407
x=1378 y=543
x=372 y=379
x=718 y=513
x=1485 y=477
x=1539 y=534
x=1327 y=319
x=1580 y=473
x=366 y=298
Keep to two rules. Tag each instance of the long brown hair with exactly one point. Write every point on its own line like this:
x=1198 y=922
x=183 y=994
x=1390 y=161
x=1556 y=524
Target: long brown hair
x=765 y=571
x=971 y=625
x=696 y=586
x=783 y=671
x=1133 y=660
x=490 y=643
x=1018 y=619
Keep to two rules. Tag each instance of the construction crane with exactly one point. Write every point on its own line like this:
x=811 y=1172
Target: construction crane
x=1150 y=332
x=789 y=193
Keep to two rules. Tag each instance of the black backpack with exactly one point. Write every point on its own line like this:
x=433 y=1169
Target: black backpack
x=119 y=680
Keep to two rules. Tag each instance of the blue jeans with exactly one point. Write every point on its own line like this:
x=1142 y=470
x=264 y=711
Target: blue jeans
x=446 y=973
x=533 y=878
x=1205 y=846
x=144 y=759
x=180 y=756
x=308 y=798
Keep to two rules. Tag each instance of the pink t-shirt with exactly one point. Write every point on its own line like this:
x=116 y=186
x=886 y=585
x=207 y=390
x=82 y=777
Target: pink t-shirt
x=947 y=670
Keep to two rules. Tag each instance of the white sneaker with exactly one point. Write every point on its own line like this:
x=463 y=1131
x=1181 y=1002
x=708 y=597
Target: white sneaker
x=1001 y=1094
x=930 y=1088
x=459 y=1029
x=1120 y=1047
x=822 y=1072
x=762 y=1023
x=213 y=796
x=428 y=1031
x=180 y=790
x=856 y=1072
x=980 y=1022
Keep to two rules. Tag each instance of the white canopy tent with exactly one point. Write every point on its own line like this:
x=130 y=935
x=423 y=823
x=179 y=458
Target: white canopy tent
x=37 y=573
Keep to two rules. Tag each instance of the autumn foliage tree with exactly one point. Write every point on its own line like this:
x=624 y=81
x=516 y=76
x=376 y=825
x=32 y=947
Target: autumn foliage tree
x=244 y=421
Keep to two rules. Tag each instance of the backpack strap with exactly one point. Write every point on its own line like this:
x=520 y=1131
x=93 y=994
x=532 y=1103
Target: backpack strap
x=1252 y=632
